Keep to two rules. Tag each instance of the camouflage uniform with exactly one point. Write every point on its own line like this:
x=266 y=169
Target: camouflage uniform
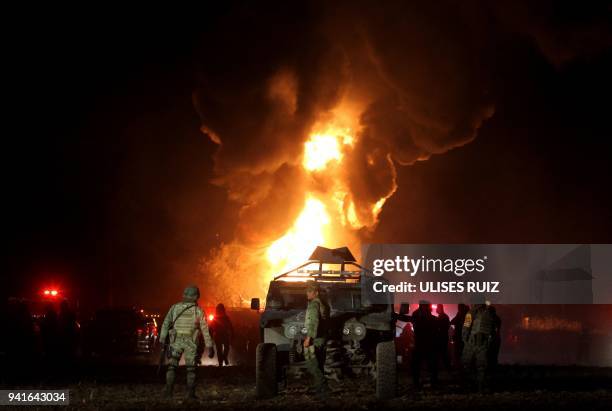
x=478 y=330
x=185 y=336
x=316 y=313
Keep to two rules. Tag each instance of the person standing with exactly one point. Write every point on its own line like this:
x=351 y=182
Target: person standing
x=68 y=334
x=457 y=323
x=317 y=313
x=184 y=326
x=442 y=336
x=49 y=332
x=425 y=327
x=223 y=333
x=478 y=331
x=496 y=339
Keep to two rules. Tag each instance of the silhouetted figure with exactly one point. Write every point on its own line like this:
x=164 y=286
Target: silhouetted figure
x=404 y=343
x=49 y=332
x=478 y=331
x=425 y=326
x=457 y=323
x=495 y=340
x=222 y=333
x=442 y=336
x=67 y=333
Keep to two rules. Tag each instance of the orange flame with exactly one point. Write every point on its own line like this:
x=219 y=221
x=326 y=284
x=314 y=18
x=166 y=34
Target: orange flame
x=329 y=218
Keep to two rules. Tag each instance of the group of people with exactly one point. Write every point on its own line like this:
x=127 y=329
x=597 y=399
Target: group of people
x=37 y=347
x=475 y=341
x=476 y=338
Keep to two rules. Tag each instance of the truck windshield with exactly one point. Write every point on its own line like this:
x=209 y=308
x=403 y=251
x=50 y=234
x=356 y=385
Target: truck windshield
x=287 y=298
x=344 y=299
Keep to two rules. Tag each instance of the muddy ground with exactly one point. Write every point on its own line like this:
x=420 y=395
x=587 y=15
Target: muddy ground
x=135 y=385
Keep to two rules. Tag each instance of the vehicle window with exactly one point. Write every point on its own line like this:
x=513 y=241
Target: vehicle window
x=295 y=299
x=344 y=299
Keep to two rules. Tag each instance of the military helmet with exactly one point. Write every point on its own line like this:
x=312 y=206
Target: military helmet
x=191 y=294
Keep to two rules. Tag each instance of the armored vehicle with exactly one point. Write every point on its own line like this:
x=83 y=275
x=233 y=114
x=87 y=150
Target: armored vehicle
x=360 y=334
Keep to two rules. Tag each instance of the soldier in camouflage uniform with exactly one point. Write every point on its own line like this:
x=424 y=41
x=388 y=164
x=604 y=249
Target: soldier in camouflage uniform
x=478 y=331
x=317 y=313
x=185 y=325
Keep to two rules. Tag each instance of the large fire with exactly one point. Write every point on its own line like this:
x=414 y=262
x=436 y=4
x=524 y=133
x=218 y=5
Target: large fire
x=328 y=217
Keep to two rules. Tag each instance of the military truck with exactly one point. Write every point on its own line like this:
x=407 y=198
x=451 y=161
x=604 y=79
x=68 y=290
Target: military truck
x=360 y=335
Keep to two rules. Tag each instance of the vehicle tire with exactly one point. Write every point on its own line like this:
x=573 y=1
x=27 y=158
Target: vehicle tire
x=386 y=370
x=265 y=370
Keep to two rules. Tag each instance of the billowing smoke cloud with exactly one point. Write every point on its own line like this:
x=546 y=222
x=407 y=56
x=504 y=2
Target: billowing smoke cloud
x=418 y=72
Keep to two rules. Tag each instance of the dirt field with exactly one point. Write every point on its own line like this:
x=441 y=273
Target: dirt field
x=133 y=386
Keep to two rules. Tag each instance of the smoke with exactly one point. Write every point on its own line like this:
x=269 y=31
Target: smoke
x=416 y=78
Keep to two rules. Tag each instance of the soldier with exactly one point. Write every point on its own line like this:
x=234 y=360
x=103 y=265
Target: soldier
x=314 y=343
x=477 y=333
x=185 y=325
x=457 y=323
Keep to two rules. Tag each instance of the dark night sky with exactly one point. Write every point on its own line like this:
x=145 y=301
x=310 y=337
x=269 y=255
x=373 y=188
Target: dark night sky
x=105 y=169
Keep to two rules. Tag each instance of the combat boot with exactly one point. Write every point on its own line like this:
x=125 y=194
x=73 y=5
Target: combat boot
x=168 y=391
x=191 y=393
x=322 y=393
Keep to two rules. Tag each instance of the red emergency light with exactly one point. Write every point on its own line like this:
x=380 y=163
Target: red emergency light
x=211 y=317
x=51 y=292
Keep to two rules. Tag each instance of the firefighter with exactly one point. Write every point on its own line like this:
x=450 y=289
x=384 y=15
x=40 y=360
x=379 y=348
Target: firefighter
x=317 y=313
x=478 y=331
x=184 y=326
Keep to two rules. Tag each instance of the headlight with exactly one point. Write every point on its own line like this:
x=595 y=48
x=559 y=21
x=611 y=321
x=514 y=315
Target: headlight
x=290 y=331
x=354 y=330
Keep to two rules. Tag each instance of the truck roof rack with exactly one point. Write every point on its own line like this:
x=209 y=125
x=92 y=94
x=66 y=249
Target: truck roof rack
x=332 y=255
x=327 y=256
x=325 y=275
